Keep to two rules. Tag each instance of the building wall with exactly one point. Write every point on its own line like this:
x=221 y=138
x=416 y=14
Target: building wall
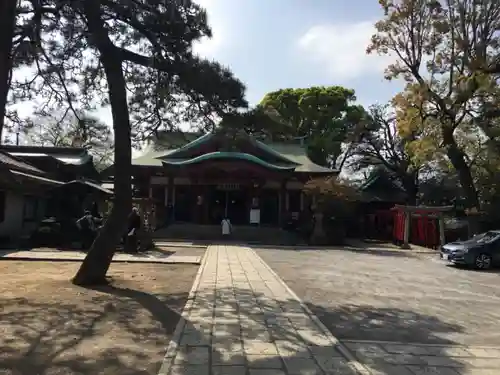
x=290 y=185
x=178 y=197
x=14 y=223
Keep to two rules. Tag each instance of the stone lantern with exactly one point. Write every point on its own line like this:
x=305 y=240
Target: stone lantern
x=318 y=236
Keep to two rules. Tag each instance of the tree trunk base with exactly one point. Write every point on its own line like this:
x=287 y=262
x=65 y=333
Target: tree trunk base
x=90 y=281
x=98 y=260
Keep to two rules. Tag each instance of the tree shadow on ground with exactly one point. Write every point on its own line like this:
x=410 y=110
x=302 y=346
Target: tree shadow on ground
x=37 y=255
x=164 y=309
x=111 y=334
x=46 y=338
x=303 y=344
x=380 y=252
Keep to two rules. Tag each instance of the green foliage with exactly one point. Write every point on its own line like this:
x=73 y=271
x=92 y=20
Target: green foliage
x=136 y=56
x=338 y=201
x=377 y=145
x=253 y=121
x=167 y=84
x=331 y=188
x=333 y=197
x=325 y=115
x=7 y=28
x=441 y=50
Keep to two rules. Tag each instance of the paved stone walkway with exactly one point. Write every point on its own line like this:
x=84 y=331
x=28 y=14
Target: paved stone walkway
x=242 y=319
x=392 y=358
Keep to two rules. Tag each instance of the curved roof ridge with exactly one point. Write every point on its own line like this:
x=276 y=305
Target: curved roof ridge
x=272 y=151
x=196 y=142
x=228 y=155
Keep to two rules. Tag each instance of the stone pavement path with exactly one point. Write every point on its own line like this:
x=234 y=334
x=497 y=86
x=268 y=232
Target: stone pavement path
x=242 y=319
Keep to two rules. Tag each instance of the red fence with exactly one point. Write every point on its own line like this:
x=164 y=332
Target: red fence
x=424 y=228
x=425 y=231
x=390 y=224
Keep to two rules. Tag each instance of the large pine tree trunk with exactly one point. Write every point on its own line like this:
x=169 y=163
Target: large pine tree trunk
x=96 y=264
x=7 y=22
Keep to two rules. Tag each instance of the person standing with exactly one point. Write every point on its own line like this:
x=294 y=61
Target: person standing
x=134 y=225
x=226 y=227
x=87 y=228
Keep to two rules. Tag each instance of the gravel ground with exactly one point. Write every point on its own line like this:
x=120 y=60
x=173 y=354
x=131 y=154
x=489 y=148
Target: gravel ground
x=393 y=297
x=50 y=326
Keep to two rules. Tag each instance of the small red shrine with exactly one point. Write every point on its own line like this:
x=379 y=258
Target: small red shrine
x=420 y=225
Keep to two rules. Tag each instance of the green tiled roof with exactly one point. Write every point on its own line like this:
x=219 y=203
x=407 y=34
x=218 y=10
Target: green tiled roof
x=298 y=154
x=151 y=159
x=294 y=153
x=227 y=155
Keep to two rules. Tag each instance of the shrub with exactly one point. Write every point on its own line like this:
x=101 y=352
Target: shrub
x=337 y=201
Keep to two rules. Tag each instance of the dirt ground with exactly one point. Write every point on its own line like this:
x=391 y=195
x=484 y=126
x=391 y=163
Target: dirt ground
x=49 y=326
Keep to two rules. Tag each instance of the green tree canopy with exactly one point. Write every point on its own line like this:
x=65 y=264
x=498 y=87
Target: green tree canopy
x=135 y=56
x=439 y=47
x=377 y=144
x=325 y=116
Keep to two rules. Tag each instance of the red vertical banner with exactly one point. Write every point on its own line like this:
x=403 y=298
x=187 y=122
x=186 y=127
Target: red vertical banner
x=395 y=226
x=433 y=229
x=429 y=238
x=422 y=229
x=402 y=218
x=413 y=229
x=401 y=228
x=399 y=225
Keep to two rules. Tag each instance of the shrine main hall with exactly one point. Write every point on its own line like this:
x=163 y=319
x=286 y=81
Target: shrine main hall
x=201 y=179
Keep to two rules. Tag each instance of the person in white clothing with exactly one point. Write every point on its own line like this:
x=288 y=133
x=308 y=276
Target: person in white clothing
x=226 y=227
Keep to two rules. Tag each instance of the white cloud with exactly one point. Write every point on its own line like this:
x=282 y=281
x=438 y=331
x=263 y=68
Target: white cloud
x=209 y=47
x=341 y=50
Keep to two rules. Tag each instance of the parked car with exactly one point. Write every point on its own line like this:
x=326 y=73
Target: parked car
x=481 y=251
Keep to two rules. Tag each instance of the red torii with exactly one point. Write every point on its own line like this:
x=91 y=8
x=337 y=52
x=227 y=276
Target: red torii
x=402 y=220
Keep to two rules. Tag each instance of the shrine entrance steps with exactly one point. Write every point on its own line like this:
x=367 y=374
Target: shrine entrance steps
x=241 y=233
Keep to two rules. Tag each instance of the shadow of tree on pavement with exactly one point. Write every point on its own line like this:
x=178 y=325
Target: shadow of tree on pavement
x=43 y=338
x=383 y=324
x=242 y=318
x=382 y=251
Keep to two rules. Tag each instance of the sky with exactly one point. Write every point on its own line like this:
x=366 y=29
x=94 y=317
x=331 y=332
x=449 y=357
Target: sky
x=276 y=44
